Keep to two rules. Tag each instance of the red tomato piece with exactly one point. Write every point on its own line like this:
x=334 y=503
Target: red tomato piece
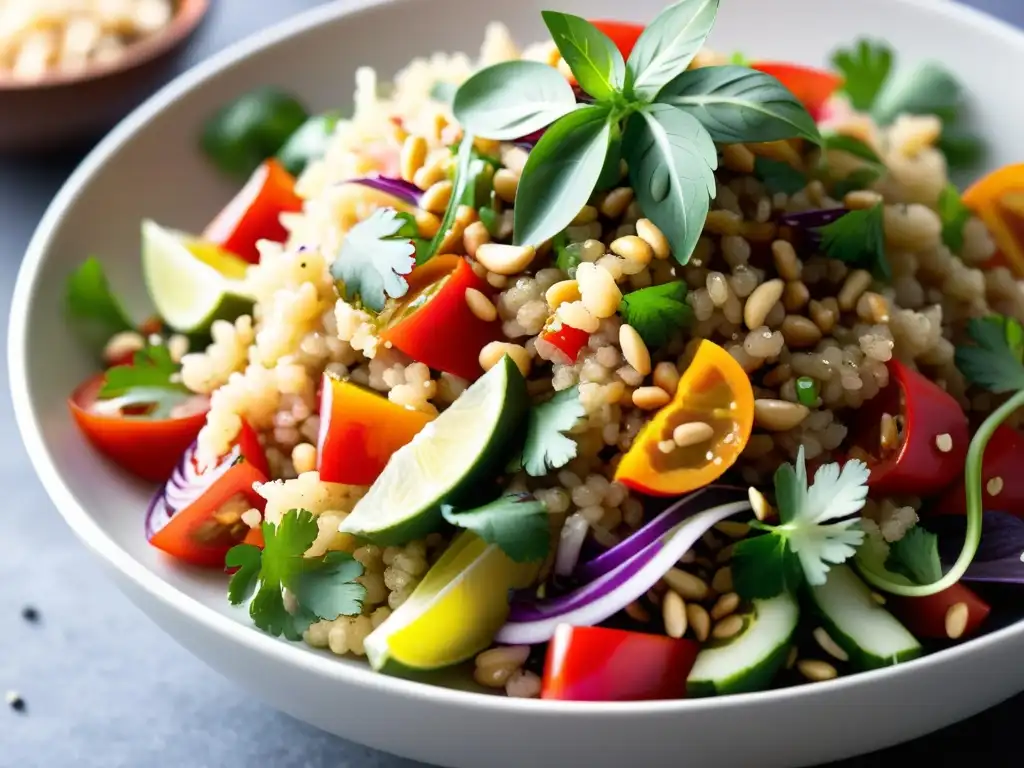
x=566 y=339
x=623 y=33
x=1002 y=466
x=255 y=212
x=598 y=664
x=147 y=448
x=935 y=615
x=434 y=325
x=812 y=87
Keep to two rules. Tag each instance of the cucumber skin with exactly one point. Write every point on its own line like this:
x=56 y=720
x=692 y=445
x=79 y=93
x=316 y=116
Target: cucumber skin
x=752 y=680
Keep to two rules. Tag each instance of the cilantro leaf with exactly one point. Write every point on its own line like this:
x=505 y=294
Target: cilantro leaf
x=322 y=588
x=151 y=380
x=374 y=259
x=778 y=176
x=992 y=363
x=858 y=238
x=516 y=523
x=546 y=447
x=865 y=69
x=567 y=255
x=657 y=312
x=927 y=89
x=954 y=215
x=94 y=311
x=916 y=556
x=764 y=567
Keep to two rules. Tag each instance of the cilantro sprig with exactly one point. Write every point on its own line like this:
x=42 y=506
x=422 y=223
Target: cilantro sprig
x=658 y=312
x=152 y=382
x=96 y=314
x=994 y=361
x=663 y=117
x=515 y=523
x=374 y=259
x=858 y=238
x=546 y=446
x=322 y=587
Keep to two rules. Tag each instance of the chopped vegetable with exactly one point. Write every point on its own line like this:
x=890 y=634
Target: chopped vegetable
x=516 y=523
x=865 y=69
x=587 y=664
x=308 y=143
x=807 y=391
x=713 y=390
x=251 y=129
x=546 y=446
x=779 y=176
x=957 y=609
x=658 y=312
x=858 y=238
x=94 y=312
x=813 y=87
x=954 y=215
x=998 y=200
x=323 y=587
x=568 y=341
x=567 y=255
x=374 y=260
x=623 y=34
x=1001 y=477
x=359 y=432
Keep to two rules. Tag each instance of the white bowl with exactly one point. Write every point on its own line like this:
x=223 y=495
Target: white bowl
x=150 y=166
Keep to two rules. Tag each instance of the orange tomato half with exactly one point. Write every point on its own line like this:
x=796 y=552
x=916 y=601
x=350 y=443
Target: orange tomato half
x=998 y=200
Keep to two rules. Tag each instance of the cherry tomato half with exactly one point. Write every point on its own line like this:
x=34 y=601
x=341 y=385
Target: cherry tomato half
x=623 y=33
x=957 y=609
x=1001 y=471
x=812 y=87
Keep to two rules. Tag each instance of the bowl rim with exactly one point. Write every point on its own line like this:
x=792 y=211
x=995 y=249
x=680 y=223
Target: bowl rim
x=297 y=655
x=188 y=15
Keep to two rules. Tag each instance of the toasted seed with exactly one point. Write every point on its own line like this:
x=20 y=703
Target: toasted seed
x=759 y=231
x=944 y=442
x=823 y=316
x=692 y=433
x=994 y=486
x=481 y=306
x=761 y=302
x=666 y=376
x=721 y=582
x=724 y=555
x=435 y=199
x=650 y=398
x=505 y=259
x=654 y=237
x=861 y=199
x=562 y=292
x=791 y=657
x=430 y=174
x=725 y=605
x=736 y=157
x=889 y=435
x=466 y=215
x=956 y=620
x=123 y=344
x=673 y=614
x=779 y=415
x=787 y=264
x=698 y=619
x=816 y=671
x=598 y=291
x=667 y=446
x=796 y=296
x=506 y=184
x=723 y=223
x=634 y=350
x=762 y=509
x=474 y=236
x=733 y=529
x=587 y=215
x=493 y=352
x=728 y=627
x=688 y=586
x=575 y=314
x=853 y=288
x=828 y=645
x=799 y=332
x=778 y=375
x=633 y=248
x=414 y=154
x=873 y=308
x=616 y=202
x=878 y=598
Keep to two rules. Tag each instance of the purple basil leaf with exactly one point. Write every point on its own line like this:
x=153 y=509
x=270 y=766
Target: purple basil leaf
x=809 y=221
x=399 y=188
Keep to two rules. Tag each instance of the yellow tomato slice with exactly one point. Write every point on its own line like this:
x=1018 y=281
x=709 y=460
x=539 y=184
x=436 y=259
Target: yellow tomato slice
x=998 y=200
x=713 y=390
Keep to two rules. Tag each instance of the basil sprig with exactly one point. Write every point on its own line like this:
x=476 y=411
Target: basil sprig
x=663 y=118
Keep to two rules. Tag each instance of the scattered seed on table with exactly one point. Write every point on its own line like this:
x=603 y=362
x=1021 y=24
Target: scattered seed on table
x=830 y=646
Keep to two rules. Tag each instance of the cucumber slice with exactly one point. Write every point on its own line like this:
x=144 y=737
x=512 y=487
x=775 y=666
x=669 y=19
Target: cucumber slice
x=466 y=446
x=749 y=660
x=871 y=636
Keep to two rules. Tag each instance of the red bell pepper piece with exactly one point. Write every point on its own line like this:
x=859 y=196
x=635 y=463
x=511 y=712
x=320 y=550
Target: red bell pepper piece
x=623 y=33
x=434 y=325
x=598 y=664
x=926 y=617
x=359 y=431
x=255 y=213
x=1003 y=462
x=812 y=87
x=917 y=466
x=566 y=339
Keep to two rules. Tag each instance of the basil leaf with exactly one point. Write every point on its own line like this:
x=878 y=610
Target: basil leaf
x=512 y=99
x=927 y=89
x=672 y=162
x=839 y=142
x=668 y=45
x=561 y=173
x=736 y=104
x=592 y=57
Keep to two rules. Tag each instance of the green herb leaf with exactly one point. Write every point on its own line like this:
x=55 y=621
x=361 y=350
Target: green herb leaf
x=667 y=46
x=567 y=255
x=374 y=259
x=590 y=54
x=962 y=151
x=992 y=363
x=954 y=215
x=308 y=143
x=476 y=183
x=324 y=587
x=517 y=524
x=736 y=104
x=464 y=159
x=764 y=567
x=546 y=446
x=560 y=174
x=865 y=69
x=862 y=178
x=94 y=312
x=443 y=92
x=512 y=99
x=611 y=173
x=858 y=238
x=928 y=89
x=657 y=313
x=672 y=162
x=790 y=493
x=778 y=176
x=491 y=220
x=916 y=556
x=151 y=367
x=840 y=142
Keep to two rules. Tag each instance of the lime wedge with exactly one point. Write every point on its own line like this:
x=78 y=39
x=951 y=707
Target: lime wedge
x=192 y=282
x=455 y=611
x=467 y=445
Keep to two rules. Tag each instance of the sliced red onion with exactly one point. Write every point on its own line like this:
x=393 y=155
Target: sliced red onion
x=809 y=221
x=711 y=496
x=570 y=542
x=398 y=188
x=534 y=622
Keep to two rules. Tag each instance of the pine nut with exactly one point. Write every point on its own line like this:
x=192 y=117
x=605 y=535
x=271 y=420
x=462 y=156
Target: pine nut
x=800 y=332
x=616 y=202
x=492 y=354
x=853 y=288
x=688 y=586
x=587 y=215
x=466 y=215
x=304 y=457
x=562 y=292
x=880 y=599
x=823 y=316
x=514 y=158
x=481 y=306
x=736 y=157
x=430 y=174
x=725 y=605
x=666 y=376
x=787 y=264
x=414 y=154
x=759 y=231
x=506 y=184
x=796 y=296
x=944 y=442
x=732 y=529
x=889 y=434
x=692 y=433
x=598 y=291
x=721 y=582
x=956 y=620
x=427 y=223
x=505 y=259
x=633 y=248
x=650 y=398
x=761 y=302
x=504 y=655
x=861 y=199
x=122 y=345
x=816 y=671
x=779 y=415
x=574 y=314
x=762 y=509
x=873 y=308
x=994 y=486
x=829 y=646
x=435 y=199
x=634 y=349
x=778 y=375
x=673 y=614
x=654 y=237
x=474 y=236
x=723 y=223
x=728 y=627
x=698 y=620
x=724 y=555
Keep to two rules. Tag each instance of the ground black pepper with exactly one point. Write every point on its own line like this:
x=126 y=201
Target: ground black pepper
x=15 y=702
x=30 y=614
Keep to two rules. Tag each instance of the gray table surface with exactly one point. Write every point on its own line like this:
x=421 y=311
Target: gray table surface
x=104 y=687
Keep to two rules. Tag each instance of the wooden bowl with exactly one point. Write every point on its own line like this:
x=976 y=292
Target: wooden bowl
x=60 y=109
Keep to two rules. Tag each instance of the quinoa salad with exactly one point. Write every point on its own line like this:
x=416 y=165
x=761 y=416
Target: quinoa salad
x=608 y=350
